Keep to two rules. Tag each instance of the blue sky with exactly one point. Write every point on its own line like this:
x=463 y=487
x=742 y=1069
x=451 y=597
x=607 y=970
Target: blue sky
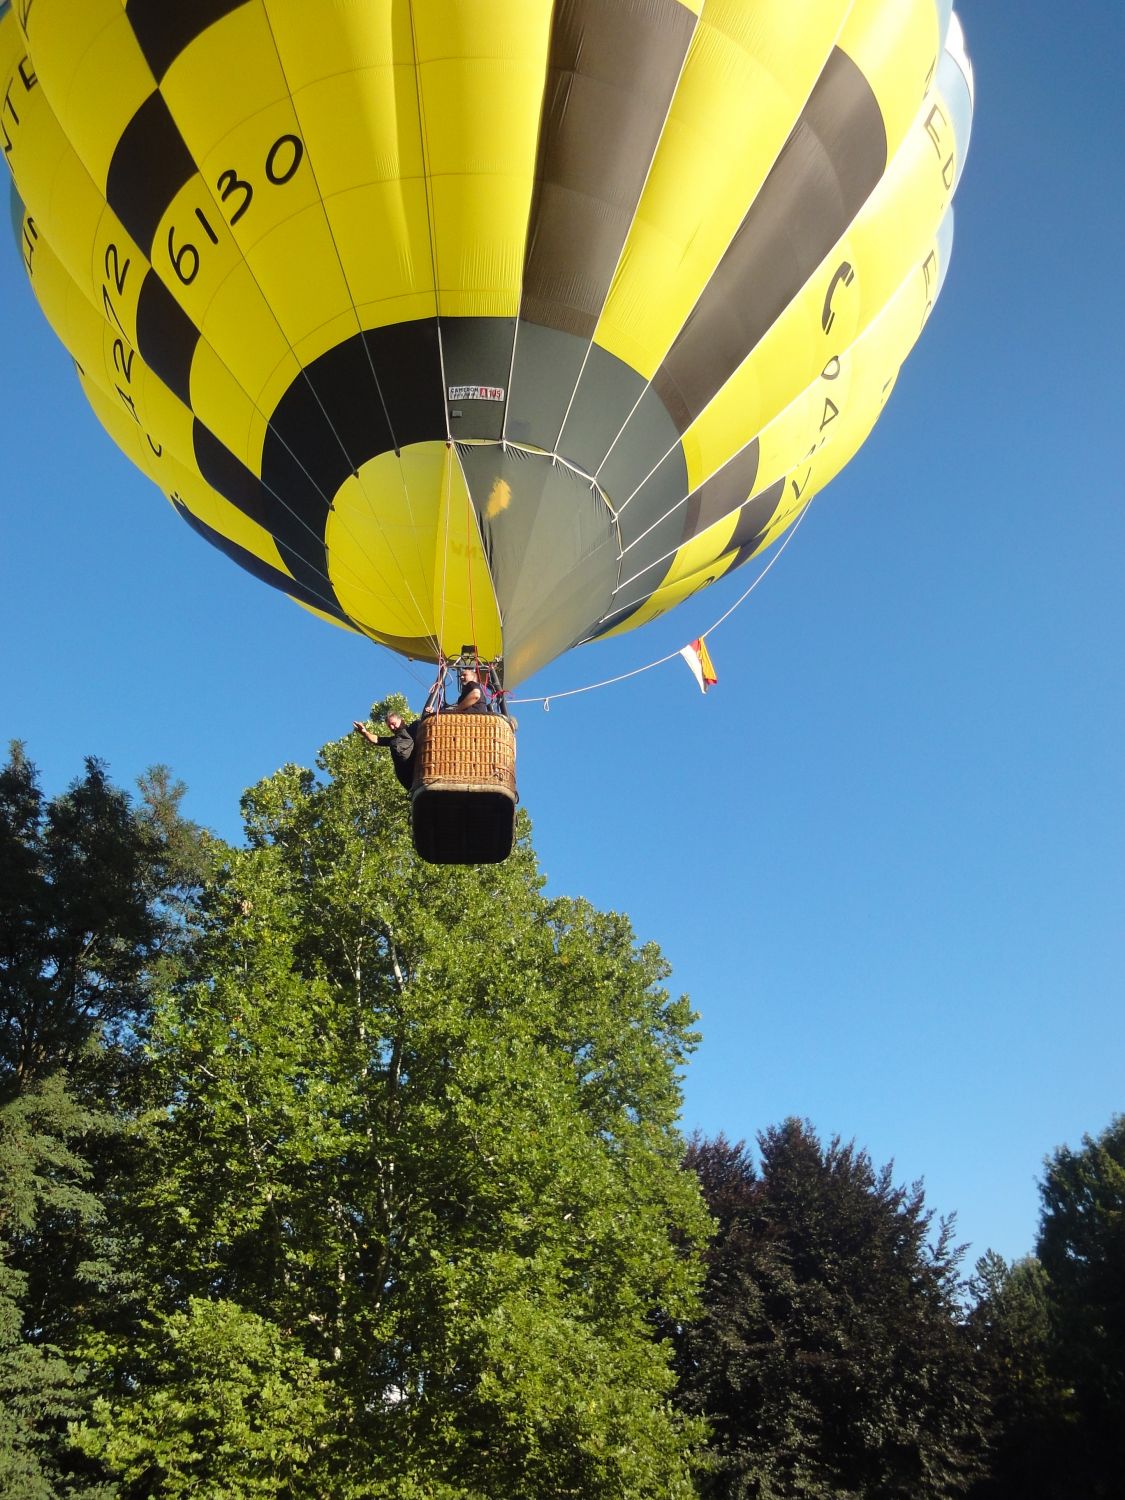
x=885 y=855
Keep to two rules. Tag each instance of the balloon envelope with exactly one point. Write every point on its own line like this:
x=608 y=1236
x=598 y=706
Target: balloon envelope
x=512 y=322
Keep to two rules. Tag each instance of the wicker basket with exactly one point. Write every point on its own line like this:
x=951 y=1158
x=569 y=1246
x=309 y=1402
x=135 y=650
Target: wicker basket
x=463 y=805
x=465 y=752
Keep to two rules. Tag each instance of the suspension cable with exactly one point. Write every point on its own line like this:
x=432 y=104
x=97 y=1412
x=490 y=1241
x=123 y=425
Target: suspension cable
x=671 y=656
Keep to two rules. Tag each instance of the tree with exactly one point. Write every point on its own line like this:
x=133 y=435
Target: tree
x=87 y=893
x=92 y=904
x=1081 y=1246
x=1010 y=1322
x=226 y=1404
x=43 y=1180
x=420 y=1123
x=831 y=1360
x=1051 y=1331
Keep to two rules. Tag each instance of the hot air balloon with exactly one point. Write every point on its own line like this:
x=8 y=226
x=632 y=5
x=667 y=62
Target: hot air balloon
x=511 y=322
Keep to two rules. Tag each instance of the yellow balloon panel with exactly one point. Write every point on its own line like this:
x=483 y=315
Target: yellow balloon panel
x=362 y=127
x=405 y=552
x=391 y=278
x=852 y=285
x=840 y=408
x=221 y=404
x=307 y=302
x=230 y=74
x=319 y=42
x=503 y=31
x=92 y=72
x=895 y=47
x=482 y=221
x=241 y=323
x=481 y=71
x=746 y=79
x=54 y=186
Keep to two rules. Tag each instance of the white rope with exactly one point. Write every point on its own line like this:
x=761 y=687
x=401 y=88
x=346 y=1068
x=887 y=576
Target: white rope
x=672 y=655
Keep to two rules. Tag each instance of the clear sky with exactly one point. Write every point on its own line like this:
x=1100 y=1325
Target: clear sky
x=886 y=855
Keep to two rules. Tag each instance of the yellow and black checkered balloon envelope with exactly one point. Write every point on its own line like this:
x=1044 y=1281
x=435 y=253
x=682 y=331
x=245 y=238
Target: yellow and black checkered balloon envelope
x=504 y=321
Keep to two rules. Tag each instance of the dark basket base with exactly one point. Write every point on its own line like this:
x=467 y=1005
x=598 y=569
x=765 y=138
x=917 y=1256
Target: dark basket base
x=463 y=827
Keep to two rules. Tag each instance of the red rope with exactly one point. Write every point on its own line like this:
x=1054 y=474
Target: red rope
x=469 y=567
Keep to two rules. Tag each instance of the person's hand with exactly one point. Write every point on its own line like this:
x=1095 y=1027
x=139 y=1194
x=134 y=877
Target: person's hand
x=363 y=729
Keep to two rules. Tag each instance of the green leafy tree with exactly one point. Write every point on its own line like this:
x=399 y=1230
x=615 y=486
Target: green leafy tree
x=420 y=1122
x=832 y=1361
x=226 y=1405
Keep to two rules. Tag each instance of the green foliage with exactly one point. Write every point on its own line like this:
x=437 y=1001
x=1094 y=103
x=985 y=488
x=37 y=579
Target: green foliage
x=1082 y=1248
x=420 y=1123
x=831 y=1361
x=1052 y=1336
x=93 y=897
x=44 y=1203
x=39 y=1396
x=226 y=1406
x=84 y=881
x=328 y=1173
x=1029 y=1433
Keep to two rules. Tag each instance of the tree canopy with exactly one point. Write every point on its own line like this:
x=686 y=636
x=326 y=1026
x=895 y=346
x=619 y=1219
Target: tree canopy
x=831 y=1360
x=91 y=891
x=1051 y=1331
x=397 y=1199
x=328 y=1173
x=1081 y=1247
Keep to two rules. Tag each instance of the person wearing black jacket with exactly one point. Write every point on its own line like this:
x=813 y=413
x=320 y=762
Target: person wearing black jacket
x=400 y=742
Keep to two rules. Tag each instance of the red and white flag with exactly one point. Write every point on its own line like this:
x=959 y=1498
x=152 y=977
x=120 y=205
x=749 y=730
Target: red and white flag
x=697 y=658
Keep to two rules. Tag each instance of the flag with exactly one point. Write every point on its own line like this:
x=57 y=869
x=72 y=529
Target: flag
x=695 y=654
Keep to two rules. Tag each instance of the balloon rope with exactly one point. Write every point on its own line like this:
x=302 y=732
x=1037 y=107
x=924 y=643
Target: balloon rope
x=469 y=567
x=636 y=672
x=447 y=506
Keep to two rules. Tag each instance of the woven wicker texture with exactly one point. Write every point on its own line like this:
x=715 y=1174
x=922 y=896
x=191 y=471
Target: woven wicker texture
x=466 y=750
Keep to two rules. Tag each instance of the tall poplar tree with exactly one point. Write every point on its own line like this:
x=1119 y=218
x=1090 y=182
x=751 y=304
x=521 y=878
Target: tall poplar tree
x=414 y=1155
